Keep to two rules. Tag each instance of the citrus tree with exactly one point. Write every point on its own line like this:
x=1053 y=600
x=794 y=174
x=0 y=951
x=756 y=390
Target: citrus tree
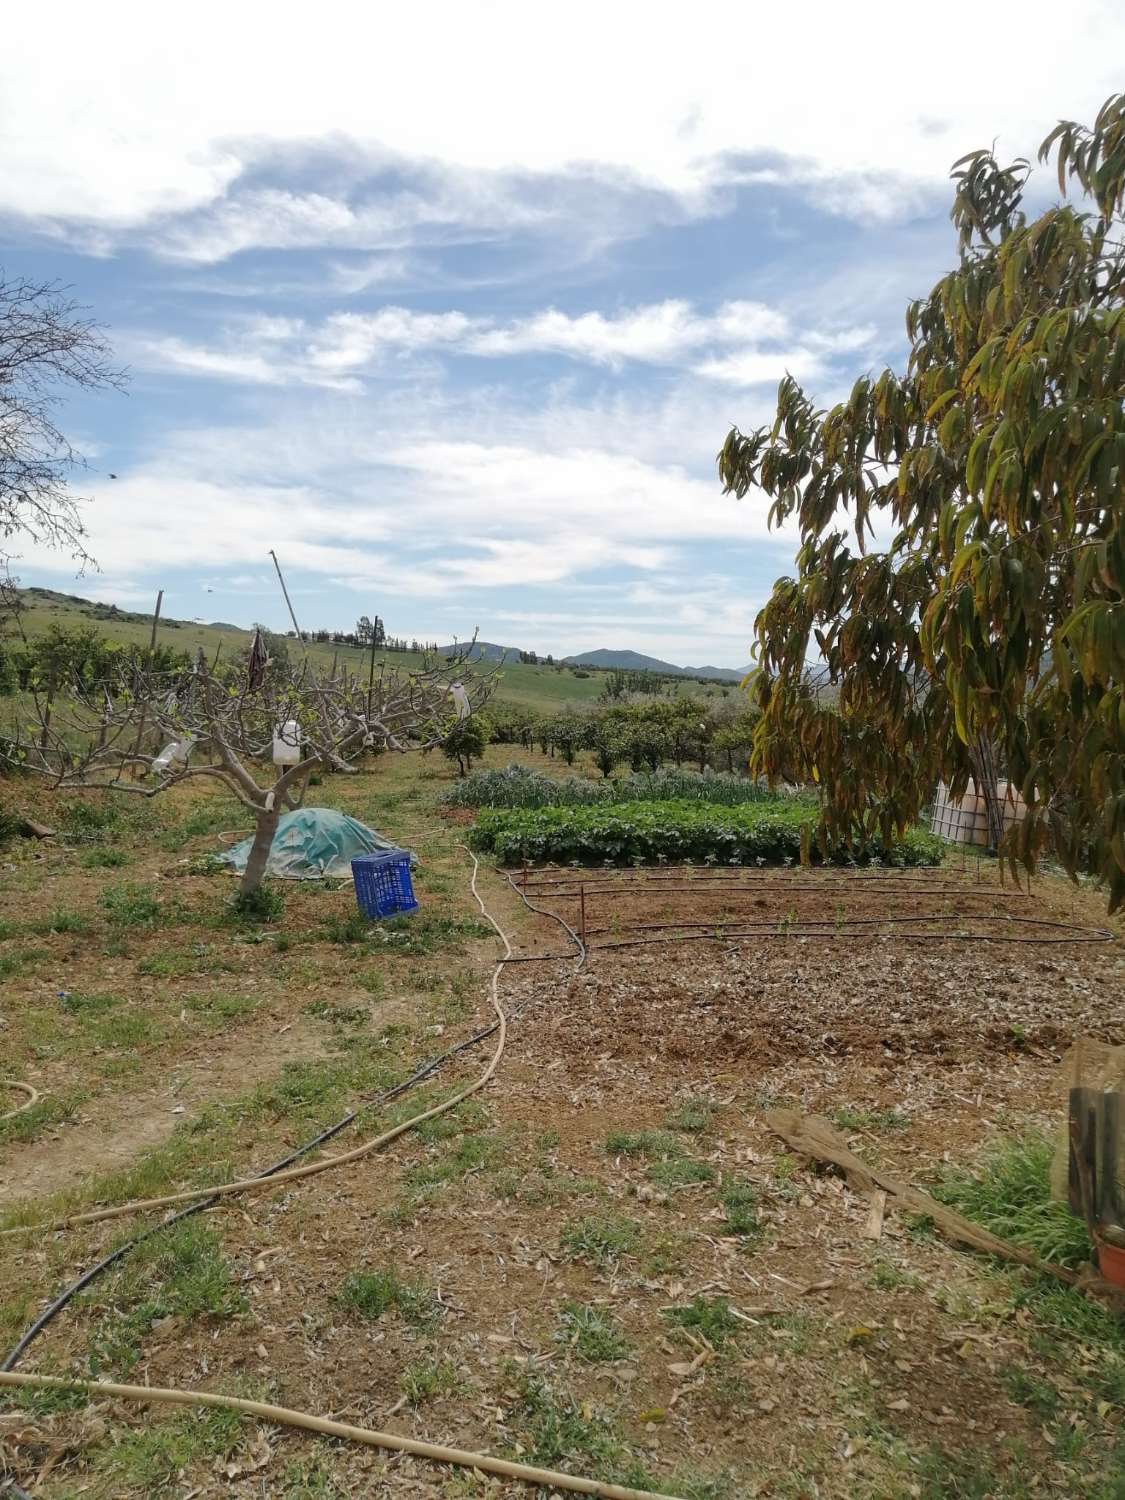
x=962 y=549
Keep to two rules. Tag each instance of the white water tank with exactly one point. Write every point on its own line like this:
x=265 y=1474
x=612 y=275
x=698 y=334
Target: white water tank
x=287 y=743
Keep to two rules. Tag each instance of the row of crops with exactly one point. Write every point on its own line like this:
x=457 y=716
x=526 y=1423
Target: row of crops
x=620 y=833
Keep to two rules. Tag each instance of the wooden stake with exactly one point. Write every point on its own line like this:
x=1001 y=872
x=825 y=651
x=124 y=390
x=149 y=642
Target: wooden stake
x=582 y=913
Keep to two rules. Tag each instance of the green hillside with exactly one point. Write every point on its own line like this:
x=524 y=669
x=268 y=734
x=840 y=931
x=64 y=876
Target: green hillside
x=540 y=687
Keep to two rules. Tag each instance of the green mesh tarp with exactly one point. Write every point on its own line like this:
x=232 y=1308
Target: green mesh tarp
x=312 y=842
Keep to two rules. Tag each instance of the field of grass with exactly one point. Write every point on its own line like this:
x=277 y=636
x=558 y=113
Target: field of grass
x=604 y=1263
x=542 y=688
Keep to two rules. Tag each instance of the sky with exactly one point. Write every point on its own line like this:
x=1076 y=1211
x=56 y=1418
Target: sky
x=453 y=304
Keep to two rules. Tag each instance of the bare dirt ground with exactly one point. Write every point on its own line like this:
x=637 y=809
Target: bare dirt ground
x=609 y=1265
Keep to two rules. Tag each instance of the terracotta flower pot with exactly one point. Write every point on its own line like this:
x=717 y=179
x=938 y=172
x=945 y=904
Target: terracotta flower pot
x=1111 y=1261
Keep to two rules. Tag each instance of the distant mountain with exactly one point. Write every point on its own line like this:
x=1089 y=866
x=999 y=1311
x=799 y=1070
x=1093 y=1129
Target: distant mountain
x=633 y=661
x=482 y=651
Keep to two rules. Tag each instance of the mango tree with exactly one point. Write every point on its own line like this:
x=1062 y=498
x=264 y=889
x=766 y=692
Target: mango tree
x=962 y=532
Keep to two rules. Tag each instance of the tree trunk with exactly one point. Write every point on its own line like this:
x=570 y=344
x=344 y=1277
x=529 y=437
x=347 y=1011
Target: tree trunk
x=259 y=851
x=984 y=768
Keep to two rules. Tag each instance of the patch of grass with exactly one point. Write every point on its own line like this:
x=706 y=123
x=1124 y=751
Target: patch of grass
x=711 y=1317
x=337 y=1015
x=652 y=1145
x=177 y=963
x=266 y=904
x=152 y=1458
x=739 y=1202
x=862 y=1118
x=87 y=1005
x=53 y=1109
x=104 y=859
x=471 y=1115
x=593 y=1335
x=1011 y=1196
x=430 y=1378
x=58 y=920
x=422 y=933
x=667 y=1254
x=680 y=1173
x=600 y=1240
x=302 y=1481
x=887 y=1277
x=354 y=928
x=219 y=1010
x=180 y=1273
x=1030 y=1390
x=540 y=1189
x=557 y=1431
x=692 y=1114
x=473 y=1153
x=370 y=1294
x=132 y=905
x=939 y=1475
x=125 y=1029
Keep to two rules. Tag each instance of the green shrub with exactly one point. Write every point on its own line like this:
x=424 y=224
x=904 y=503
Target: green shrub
x=621 y=833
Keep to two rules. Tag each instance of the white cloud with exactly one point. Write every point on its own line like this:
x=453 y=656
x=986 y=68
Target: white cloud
x=338 y=350
x=146 y=119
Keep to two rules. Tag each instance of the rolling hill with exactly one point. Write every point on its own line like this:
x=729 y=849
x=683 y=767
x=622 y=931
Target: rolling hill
x=634 y=661
x=540 y=687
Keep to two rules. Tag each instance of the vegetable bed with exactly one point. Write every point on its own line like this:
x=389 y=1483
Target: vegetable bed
x=623 y=832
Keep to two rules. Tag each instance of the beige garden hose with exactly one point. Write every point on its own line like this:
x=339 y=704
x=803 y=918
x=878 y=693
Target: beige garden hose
x=33 y=1096
x=256 y=1184
x=284 y=1416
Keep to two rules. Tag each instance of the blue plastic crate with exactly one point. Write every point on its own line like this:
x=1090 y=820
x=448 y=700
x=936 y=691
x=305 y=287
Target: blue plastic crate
x=382 y=884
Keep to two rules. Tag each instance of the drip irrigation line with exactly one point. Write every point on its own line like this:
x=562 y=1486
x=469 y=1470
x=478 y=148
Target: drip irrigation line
x=758 y=936
x=65 y=1296
x=823 y=927
x=284 y=1416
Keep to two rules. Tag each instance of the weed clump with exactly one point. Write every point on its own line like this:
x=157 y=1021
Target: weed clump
x=600 y=1240
x=594 y=1336
x=265 y=904
x=370 y=1294
x=710 y=1316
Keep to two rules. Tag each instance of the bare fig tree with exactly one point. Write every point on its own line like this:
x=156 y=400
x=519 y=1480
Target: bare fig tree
x=46 y=344
x=261 y=729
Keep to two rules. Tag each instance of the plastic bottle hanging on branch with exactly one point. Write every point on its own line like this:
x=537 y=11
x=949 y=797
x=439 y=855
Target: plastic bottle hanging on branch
x=461 y=700
x=173 y=757
x=287 y=743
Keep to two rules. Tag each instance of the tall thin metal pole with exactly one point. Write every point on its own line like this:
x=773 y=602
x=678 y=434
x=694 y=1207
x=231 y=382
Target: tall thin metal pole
x=285 y=591
x=155 y=622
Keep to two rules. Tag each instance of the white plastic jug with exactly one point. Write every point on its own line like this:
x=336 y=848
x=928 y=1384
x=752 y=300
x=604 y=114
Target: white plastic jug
x=461 y=699
x=172 y=757
x=287 y=743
